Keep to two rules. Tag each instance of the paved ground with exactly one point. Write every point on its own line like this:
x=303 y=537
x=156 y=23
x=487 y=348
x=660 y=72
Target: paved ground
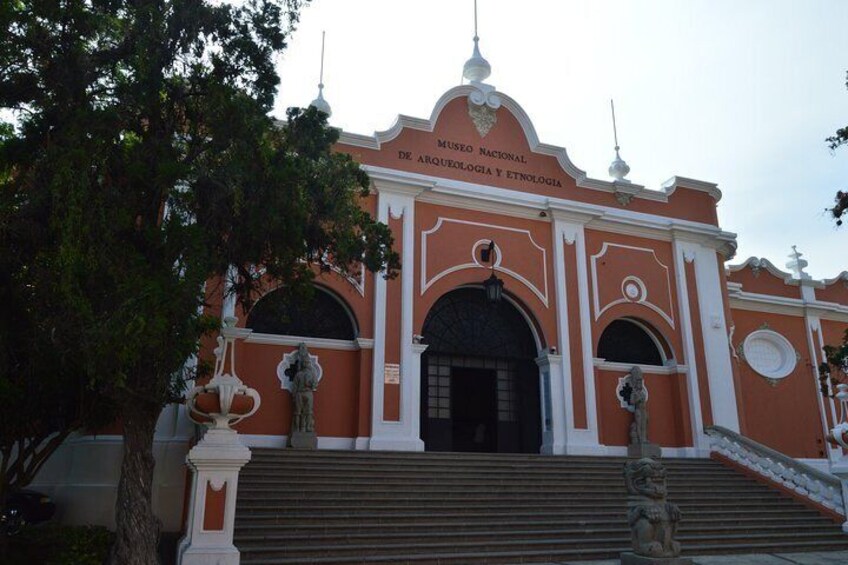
x=816 y=558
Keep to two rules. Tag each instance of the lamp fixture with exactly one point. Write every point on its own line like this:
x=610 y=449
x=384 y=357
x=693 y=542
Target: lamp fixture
x=493 y=285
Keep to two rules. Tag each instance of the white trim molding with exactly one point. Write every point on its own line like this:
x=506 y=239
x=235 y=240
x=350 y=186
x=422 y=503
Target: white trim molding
x=281 y=441
x=427 y=282
x=642 y=298
x=604 y=365
x=311 y=342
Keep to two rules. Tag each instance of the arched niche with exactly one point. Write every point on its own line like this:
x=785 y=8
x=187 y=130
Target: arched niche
x=322 y=315
x=633 y=341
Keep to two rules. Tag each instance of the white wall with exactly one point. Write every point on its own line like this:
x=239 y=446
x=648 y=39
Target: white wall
x=82 y=476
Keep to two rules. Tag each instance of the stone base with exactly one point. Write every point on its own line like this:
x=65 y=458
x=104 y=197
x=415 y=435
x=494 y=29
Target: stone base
x=640 y=450
x=630 y=558
x=303 y=440
x=206 y=555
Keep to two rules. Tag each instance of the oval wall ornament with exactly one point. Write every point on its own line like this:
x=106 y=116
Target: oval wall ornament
x=770 y=354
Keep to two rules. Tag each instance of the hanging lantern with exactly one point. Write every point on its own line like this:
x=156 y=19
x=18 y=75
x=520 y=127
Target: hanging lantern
x=494 y=288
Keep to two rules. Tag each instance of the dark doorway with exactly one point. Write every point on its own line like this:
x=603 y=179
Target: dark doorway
x=475 y=409
x=479 y=381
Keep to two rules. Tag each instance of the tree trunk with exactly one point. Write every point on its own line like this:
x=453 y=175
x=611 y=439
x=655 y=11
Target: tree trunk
x=137 y=528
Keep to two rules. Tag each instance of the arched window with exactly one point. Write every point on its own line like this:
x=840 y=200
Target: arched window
x=323 y=315
x=628 y=341
x=464 y=322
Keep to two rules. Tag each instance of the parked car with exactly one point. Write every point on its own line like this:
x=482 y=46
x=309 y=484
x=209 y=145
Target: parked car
x=24 y=507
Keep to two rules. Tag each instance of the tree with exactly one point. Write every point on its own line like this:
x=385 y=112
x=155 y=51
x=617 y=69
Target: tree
x=145 y=125
x=840 y=201
x=42 y=390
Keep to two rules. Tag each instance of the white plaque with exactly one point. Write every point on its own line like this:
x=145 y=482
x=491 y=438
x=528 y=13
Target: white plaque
x=391 y=374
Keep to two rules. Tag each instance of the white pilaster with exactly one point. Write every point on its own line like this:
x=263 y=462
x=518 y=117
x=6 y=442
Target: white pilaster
x=568 y=229
x=696 y=418
x=714 y=330
x=591 y=433
x=813 y=324
x=553 y=410
x=397 y=201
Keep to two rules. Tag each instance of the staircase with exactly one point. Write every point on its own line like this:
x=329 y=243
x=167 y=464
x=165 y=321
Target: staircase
x=343 y=507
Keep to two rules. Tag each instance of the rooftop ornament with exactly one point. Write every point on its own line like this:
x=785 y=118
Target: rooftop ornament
x=797 y=265
x=618 y=169
x=319 y=103
x=484 y=101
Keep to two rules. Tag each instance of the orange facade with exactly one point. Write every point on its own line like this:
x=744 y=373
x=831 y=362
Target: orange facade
x=577 y=257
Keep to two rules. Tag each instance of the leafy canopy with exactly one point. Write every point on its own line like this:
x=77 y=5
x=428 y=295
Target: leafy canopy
x=143 y=128
x=144 y=158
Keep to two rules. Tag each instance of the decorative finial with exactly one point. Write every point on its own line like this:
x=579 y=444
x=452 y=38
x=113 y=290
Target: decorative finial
x=618 y=169
x=797 y=264
x=476 y=69
x=319 y=103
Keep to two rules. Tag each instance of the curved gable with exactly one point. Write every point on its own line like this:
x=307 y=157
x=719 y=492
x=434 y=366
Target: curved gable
x=509 y=155
x=762 y=277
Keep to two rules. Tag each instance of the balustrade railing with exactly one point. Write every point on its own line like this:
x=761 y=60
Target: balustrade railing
x=822 y=488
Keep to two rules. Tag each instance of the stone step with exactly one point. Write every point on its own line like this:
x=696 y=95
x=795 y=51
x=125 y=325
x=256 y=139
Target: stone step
x=472 y=547
x=340 y=527
x=265 y=488
x=289 y=516
x=359 y=474
x=514 y=557
x=504 y=503
x=578 y=532
x=339 y=507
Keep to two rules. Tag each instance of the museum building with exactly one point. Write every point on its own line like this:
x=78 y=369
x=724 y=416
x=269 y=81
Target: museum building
x=527 y=293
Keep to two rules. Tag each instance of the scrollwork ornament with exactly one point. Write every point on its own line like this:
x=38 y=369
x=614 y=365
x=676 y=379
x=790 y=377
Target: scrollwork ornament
x=482 y=116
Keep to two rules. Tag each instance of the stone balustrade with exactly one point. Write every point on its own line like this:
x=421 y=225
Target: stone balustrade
x=822 y=488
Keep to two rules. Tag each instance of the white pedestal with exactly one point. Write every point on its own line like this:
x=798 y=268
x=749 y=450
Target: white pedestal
x=215 y=462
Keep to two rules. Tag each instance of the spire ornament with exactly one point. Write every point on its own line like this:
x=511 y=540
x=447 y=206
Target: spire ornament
x=484 y=102
x=319 y=103
x=618 y=169
x=797 y=265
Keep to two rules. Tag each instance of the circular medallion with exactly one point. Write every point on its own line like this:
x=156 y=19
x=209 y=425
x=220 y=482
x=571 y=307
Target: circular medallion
x=633 y=289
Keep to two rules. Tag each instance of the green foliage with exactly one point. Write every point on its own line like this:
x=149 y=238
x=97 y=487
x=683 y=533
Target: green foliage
x=144 y=163
x=144 y=139
x=60 y=545
x=834 y=369
x=840 y=201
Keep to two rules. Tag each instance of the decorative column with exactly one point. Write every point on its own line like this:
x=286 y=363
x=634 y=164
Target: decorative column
x=397 y=200
x=217 y=458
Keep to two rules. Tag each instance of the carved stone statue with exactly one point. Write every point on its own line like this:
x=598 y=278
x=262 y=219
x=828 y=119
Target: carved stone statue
x=652 y=520
x=304 y=384
x=639 y=444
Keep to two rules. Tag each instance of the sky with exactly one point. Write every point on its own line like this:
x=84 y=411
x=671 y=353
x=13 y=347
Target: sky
x=737 y=92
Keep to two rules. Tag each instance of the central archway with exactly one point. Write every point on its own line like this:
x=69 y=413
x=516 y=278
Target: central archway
x=479 y=380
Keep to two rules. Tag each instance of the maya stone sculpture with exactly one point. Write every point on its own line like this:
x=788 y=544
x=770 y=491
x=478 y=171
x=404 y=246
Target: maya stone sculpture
x=640 y=446
x=652 y=520
x=304 y=385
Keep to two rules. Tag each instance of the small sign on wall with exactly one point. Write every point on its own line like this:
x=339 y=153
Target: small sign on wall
x=391 y=374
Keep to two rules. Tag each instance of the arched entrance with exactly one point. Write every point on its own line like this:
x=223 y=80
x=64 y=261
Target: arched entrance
x=479 y=381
